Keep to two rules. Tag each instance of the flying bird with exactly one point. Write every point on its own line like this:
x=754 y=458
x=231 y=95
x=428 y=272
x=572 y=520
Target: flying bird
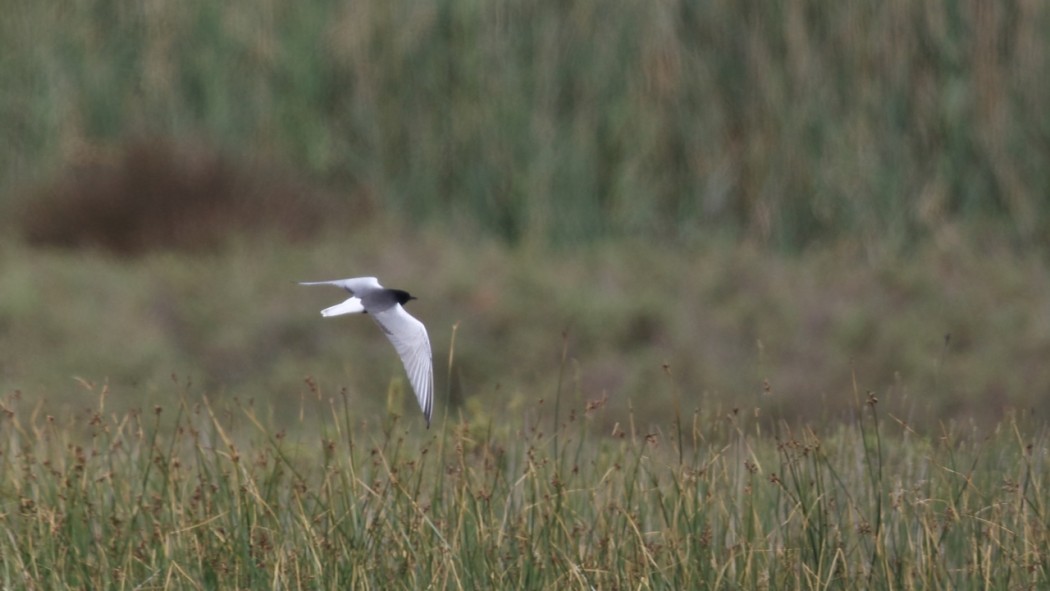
x=407 y=334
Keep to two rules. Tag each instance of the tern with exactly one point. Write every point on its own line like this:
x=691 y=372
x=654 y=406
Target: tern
x=407 y=334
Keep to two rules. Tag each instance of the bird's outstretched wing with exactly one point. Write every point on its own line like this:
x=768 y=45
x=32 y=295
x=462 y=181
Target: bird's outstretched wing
x=409 y=337
x=353 y=284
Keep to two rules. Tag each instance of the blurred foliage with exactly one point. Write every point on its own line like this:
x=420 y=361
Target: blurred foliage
x=785 y=123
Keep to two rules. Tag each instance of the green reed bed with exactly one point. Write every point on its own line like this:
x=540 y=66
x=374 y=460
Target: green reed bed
x=197 y=496
x=787 y=123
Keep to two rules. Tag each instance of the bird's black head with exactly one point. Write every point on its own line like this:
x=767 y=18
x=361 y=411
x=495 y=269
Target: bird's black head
x=403 y=296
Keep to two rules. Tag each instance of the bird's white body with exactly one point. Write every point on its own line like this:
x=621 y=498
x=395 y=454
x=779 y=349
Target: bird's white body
x=407 y=334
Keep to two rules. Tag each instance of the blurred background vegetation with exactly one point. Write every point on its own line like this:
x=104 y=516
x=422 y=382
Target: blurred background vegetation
x=776 y=199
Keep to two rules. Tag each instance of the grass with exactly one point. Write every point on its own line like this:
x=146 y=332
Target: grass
x=196 y=495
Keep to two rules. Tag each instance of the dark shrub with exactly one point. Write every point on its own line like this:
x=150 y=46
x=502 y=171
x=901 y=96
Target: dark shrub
x=156 y=194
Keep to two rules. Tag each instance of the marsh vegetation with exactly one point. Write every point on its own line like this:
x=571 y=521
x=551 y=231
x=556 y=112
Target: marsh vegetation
x=721 y=295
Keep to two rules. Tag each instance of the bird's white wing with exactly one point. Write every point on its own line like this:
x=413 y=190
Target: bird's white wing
x=409 y=337
x=353 y=284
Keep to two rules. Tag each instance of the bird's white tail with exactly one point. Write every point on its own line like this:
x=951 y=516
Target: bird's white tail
x=350 y=306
